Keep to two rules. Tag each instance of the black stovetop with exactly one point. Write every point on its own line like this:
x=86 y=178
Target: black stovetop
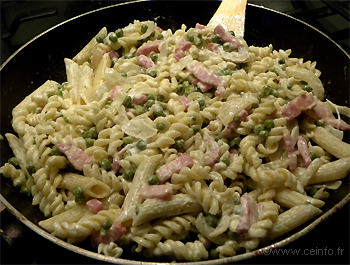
x=23 y=20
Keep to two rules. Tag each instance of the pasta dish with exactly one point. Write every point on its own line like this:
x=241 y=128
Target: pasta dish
x=189 y=144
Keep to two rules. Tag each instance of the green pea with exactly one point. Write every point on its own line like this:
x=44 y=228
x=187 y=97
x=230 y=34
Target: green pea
x=129 y=174
x=103 y=232
x=18 y=182
x=106 y=224
x=154 y=57
x=127 y=102
x=307 y=88
x=237 y=200
x=149 y=103
x=151 y=72
x=264 y=134
x=101 y=38
x=201 y=103
x=50 y=94
x=80 y=200
x=194 y=118
x=324 y=196
x=14 y=161
x=190 y=37
x=211 y=220
x=269 y=124
x=198 y=42
x=232 y=32
x=78 y=192
x=94 y=133
x=159 y=112
x=108 y=104
x=258 y=128
x=141 y=145
x=236 y=118
x=123 y=74
x=196 y=128
x=160 y=37
x=86 y=134
x=226 y=161
x=214 y=254
x=140 y=109
x=25 y=190
x=31 y=168
x=319 y=123
x=89 y=142
x=119 y=33
x=227 y=46
x=106 y=163
x=128 y=55
x=232 y=235
x=216 y=39
x=59 y=93
x=160 y=126
x=113 y=37
x=273 y=69
x=313 y=191
x=216 y=137
x=235 y=141
x=267 y=90
x=289 y=86
x=181 y=89
x=151 y=97
x=127 y=153
x=128 y=140
x=154 y=180
x=65 y=119
x=144 y=28
x=281 y=61
x=160 y=98
x=313 y=155
x=37 y=110
x=179 y=144
x=124 y=242
x=55 y=151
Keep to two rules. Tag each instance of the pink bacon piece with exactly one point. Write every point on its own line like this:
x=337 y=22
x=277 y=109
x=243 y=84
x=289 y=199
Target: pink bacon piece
x=147 y=48
x=297 y=105
x=75 y=155
x=116 y=164
x=292 y=157
x=180 y=51
x=114 y=233
x=320 y=111
x=304 y=150
x=199 y=26
x=161 y=192
x=226 y=37
x=166 y=171
x=249 y=214
x=233 y=126
x=214 y=47
x=160 y=30
x=207 y=79
x=94 y=205
x=113 y=55
x=114 y=92
x=214 y=151
x=185 y=102
x=145 y=61
x=139 y=99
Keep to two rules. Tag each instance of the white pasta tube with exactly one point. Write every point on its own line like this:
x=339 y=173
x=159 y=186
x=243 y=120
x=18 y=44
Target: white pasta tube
x=133 y=197
x=291 y=219
x=155 y=208
x=335 y=170
x=330 y=143
x=91 y=186
x=290 y=198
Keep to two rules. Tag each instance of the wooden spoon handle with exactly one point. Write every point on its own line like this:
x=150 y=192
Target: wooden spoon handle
x=231 y=15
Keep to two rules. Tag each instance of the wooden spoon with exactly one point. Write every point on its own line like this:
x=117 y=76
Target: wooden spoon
x=231 y=15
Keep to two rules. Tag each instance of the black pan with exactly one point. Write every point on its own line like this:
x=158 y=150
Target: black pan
x=42 y=59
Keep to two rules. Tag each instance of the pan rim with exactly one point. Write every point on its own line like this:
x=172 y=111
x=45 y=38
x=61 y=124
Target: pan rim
x=101 y=257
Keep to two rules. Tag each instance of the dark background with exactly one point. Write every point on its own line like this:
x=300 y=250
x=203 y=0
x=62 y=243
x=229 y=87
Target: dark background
x=23 y=20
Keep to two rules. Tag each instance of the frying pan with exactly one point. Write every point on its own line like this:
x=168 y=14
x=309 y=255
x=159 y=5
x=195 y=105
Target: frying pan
x=42 y=59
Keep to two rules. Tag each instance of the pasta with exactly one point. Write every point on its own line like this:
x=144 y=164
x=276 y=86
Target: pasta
x=169 y=144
